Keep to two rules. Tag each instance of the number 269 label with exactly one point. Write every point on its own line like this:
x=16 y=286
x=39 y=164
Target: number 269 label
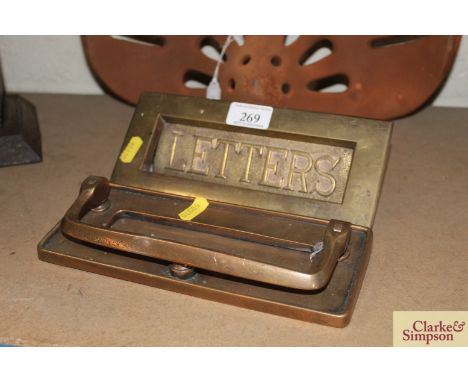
x=248 y=115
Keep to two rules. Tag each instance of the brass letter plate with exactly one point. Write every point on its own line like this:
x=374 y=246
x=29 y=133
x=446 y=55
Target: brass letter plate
x=287 y=229
x=303 y=169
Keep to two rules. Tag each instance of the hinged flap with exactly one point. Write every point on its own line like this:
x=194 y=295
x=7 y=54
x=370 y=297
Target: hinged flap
x=310 y=164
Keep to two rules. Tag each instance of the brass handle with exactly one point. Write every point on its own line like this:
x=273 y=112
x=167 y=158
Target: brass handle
x=95 y=192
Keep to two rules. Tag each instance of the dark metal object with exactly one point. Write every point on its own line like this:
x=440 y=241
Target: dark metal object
x=20 y=138
x=254 y=246
x=381 y=77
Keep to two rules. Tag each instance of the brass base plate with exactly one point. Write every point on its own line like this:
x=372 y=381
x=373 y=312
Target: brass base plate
x=332 y=305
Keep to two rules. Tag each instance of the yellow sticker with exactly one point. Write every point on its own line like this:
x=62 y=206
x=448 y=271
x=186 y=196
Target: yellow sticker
x=196 y=208
x=131 y=150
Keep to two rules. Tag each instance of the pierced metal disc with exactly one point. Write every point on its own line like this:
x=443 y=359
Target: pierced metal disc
x=382 y=77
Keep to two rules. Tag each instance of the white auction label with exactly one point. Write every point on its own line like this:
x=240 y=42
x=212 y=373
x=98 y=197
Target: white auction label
x=248 y=115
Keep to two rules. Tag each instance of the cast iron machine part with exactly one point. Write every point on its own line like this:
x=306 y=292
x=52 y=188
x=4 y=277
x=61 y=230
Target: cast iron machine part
x=20 y=138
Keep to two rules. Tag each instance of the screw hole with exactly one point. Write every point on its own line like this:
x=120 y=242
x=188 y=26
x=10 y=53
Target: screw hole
x=285 y=88
x=276 y=61
x=232 y=83
x=246 y=60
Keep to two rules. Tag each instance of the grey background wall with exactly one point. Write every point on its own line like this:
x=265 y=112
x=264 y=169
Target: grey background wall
x=56 y=64
x=46 y=64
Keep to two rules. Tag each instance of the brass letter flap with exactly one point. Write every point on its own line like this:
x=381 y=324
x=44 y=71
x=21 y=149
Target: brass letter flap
x=287 y=227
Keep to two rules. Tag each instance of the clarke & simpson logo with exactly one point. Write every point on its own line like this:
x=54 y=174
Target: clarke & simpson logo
x=429 y=332
x=430 y=328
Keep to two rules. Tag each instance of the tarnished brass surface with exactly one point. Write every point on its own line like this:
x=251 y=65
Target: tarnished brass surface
x=282 y=166
x=332 y=305
x=273 y=237
x=224 y=241
x=325 y=138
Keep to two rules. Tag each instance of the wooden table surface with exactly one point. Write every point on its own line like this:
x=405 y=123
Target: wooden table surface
x=419 y=259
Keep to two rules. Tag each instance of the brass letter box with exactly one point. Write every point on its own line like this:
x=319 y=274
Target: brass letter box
x=277 y=220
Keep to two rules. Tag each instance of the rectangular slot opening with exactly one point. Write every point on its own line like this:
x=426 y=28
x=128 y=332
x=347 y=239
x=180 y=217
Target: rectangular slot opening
x=272 y=161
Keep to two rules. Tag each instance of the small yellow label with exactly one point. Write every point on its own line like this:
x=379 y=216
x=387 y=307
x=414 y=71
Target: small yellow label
x=196 y=208
x=131 y=150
